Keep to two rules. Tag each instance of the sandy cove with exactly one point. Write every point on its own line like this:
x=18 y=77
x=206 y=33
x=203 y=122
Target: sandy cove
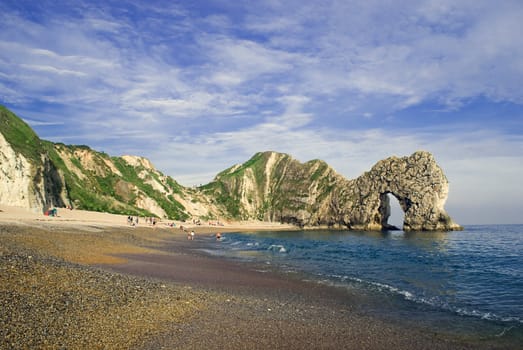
x=87 y=280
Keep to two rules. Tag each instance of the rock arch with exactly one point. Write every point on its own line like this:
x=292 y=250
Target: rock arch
x=385 y=210
x=416 y=181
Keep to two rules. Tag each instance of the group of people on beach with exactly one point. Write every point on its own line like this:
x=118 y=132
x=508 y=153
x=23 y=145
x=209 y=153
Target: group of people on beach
x=191 y=234
x=133 y=221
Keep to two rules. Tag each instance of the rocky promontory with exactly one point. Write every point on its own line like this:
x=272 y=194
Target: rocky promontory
x=275 y=187
x=417 y=182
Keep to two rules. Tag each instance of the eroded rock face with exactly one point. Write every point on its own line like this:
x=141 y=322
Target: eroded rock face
x=416 y=181
x=274 y=187
x=15 y=178
x=28 y=185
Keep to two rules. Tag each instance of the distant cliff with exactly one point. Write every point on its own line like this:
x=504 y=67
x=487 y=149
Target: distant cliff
x=270 y=186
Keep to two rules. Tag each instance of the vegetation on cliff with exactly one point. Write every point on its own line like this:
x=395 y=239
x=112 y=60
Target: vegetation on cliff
x=269 y=186
x=20 y=135
x=91 y=180
x=274 y=187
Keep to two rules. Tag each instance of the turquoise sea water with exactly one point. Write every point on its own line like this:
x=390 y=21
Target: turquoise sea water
x=467 y=281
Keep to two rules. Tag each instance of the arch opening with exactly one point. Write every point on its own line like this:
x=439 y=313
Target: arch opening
x=392 y=213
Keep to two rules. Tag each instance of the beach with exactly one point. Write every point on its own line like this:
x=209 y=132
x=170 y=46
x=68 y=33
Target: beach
x=86 y=280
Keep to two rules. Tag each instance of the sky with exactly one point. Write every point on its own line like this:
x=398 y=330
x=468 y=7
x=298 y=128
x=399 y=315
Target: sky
x=198 y=86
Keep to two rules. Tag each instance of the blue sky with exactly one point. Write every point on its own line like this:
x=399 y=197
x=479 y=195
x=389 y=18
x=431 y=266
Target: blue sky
x=199 y=86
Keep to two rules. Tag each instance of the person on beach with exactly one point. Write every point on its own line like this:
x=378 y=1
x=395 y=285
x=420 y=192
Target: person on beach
x=192 y=235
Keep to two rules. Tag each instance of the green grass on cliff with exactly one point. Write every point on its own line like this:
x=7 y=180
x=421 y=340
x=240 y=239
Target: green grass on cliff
x=289 y=185
x=95 y=190
x=173 y=208
x=225 y=188
x=98 y=192
x=20 y=135
x=100 y=189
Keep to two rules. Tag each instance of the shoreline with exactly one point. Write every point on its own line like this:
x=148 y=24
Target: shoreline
x=72 y=217
x=196 y=267
x=77 y=282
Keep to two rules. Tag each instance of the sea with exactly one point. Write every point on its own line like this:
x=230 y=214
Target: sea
x=469 y=283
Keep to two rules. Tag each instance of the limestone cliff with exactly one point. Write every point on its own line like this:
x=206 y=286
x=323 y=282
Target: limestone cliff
x=416 y=181
x=38 y=174
x=274 y=187
x=27 y=177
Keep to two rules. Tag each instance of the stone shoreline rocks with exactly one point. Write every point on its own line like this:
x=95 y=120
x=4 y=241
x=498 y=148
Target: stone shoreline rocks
x=46 y=303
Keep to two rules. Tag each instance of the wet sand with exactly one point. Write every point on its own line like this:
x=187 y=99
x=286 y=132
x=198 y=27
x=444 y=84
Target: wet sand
x=264 y=309
x=84 y=284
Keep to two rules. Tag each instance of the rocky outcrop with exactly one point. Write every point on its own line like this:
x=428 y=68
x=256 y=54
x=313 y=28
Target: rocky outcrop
x=274 y=187
x=127 y=184
x=417 y=182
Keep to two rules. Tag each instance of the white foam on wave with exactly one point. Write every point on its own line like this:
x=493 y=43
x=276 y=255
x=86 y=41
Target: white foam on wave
x=277 y=248
x=487 y=315
x=433 y=302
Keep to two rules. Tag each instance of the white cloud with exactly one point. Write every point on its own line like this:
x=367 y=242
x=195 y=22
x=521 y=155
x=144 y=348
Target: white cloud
x=271 y=24
x=225 y=79
x=52 y=70
x=434 y=50
x=235 y=61
x=422 y=51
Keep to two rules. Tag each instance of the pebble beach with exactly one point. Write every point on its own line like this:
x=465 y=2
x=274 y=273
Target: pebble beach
x=89 y=281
